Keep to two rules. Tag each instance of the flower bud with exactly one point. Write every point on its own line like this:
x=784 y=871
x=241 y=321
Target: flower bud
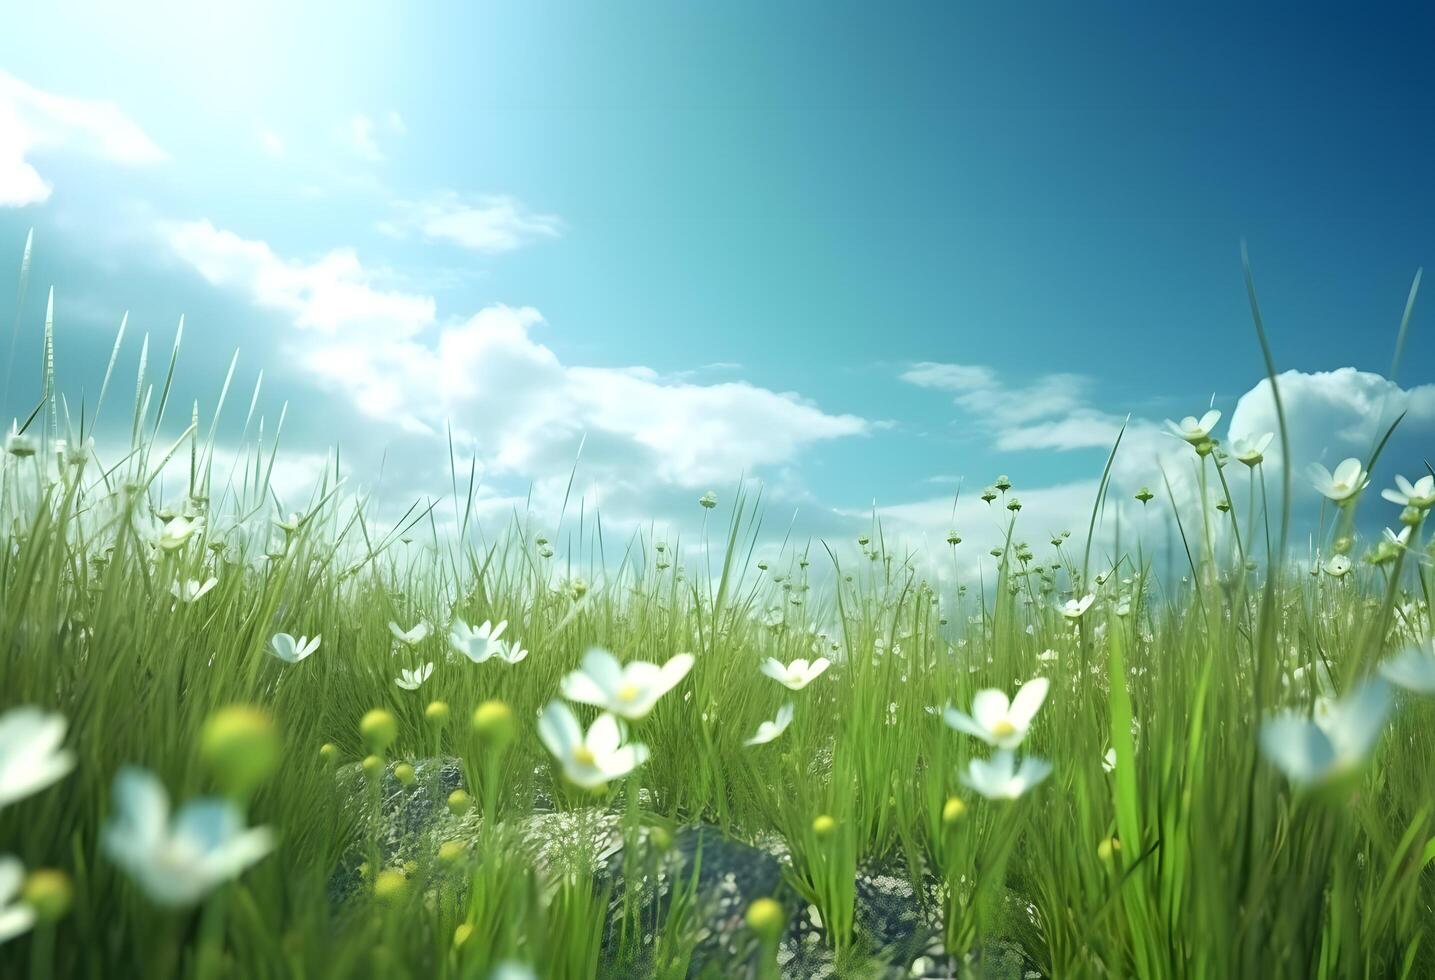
x=766 y=918
x=660 y=837
x=824 y=825
x=405 y=774
x=390 y=885
x=437 y=713
x=240 y=746
x=452 y=851
x=953 y=810
x=49 y=894
x=329 y=752
x=1108 y=849
x=493 y=721
x=373 y=766
x=379 y=729
x=461 y=934
x=459 y=802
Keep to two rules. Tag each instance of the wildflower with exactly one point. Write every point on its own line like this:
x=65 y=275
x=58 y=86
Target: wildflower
x=288 y=524
x=796 y=675
x=30 y=754
x=1412 y=669
x=997 y=720
x=1144 y=495
x=511 y=653
x=476 y=644
x=1251 y=451
x=19 y=445
x=493 y=721
x=1397 y=541
x=174 y=534
x=192 y=590
x=1193 y=430
x=630 y=690
x=1338 y=566
x=953 y=538
x=590 y=760
x=412 y=680
x=1013 y=505
x=290 y=650
x=1341 y=486
x=1336 y=740
x=410 y=637
x=1074 y=609
x=1108 y=761
x=1420 y=494
x=49 y=894
x=708 y=500
x=1003 y=483
x=953 y=810
x=16 y=919
x=1123 y=607
x=989 y=494
x=178 y=861
x=769 y=730
x=1000 y=778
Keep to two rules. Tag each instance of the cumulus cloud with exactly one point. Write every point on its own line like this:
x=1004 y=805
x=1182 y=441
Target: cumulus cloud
x=32 y=120
x=490 y=224
x=504 y=391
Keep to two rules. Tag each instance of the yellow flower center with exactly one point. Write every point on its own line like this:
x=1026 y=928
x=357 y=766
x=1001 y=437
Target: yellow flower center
x=628 y=692
x=583 y=755
x=1003 y=728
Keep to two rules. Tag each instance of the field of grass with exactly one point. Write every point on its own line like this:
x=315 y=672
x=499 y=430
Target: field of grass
x=1225 y=771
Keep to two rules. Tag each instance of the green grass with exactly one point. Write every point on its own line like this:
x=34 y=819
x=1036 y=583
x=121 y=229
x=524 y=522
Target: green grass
x=1221 y=868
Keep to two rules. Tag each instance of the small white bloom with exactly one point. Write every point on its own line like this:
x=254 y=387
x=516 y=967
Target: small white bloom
x=593 y=759
x=1252 y=450
x=1000 y=778
x=290 y=650
x=1400 y=540
x=181 y=860
x=769 y=730
x=30 y=753
x=192 y=590
x=19 y=444
x=1335 y=740
x=796 y=675
x=997 y=720
x=628 y=690
x=1123 y=606
x=1341 y=486
x=1420 y=494
x=1338 y=566
x=176 y=532
x=1076 y=608
x=1194 y=430
x=1108 y=761
x=288 y=524
x=15 y=919
x=1412 y=669
x=1047 y=656
x=412 y=680
x=411 y=637
x=511 y=652
x=476 y=644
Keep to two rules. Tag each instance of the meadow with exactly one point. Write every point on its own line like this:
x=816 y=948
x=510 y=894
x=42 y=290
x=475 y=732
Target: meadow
x=1108 y=766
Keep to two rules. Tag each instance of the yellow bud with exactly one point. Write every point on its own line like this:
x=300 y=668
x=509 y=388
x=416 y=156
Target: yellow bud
x=452 y=851
x=461 y=934
x=379 y=729
x=1108 y=849
x=953 y=810
x=824 y=825
x=329 y=752
x=660 y=837
x=49 y=893
x=373 y=766
x=459 y=802
x=493 y=721
x=240 y=747
x=766 y=918
x=437 y=713
x=404 y=773
x=390 y=885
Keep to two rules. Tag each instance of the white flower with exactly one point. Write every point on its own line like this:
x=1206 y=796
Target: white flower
x=1412 y=669
x=1336 y=740
x=1123 y=606
x=1401 y=540
x=593 y=759
x=16 y=919
x=30 y=753
x=796 y=675
x=1348 y=480
x=412 y=680
x=290 y=650
x=476 y=644
x=1076 y=608
x=288 y=524
x=1047 y=656
x=1337 y=566
x=1420 y=494
x=412 y=637
x=176 y=532
x=512 y=652
x=997 y=720
x=1251 y=451
x=769 y=730
x=191 y=590
x=1195 y=430
x=19 y=444
x=630 y=690
x=181 y=860
x=999 y=778
x=1108 y=761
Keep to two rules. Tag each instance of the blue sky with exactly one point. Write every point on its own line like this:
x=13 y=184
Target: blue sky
x=751 y=222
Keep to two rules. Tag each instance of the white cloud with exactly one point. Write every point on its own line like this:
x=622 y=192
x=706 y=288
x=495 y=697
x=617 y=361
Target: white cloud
x=272 y=144
x=505 y=392
x=32 y=120
x=360 y=135
x=491 y=224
